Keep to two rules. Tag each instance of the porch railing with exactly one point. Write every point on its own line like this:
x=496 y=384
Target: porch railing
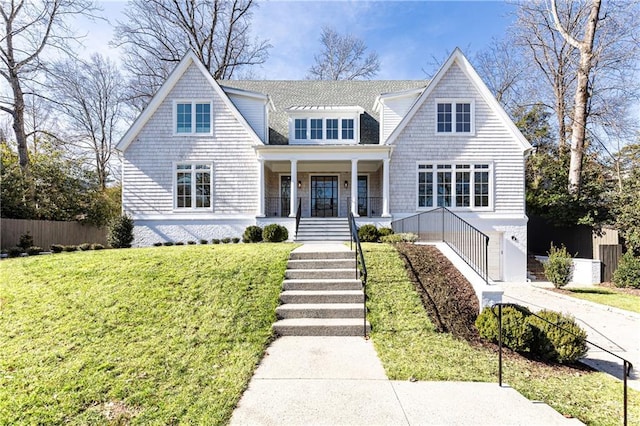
x=442 y=224
x=298 y=215
x=367 y=206
x=277 y=206
x=353 y=229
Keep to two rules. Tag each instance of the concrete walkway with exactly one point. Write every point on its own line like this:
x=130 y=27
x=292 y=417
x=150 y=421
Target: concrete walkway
x=341 y=381
x=613 y=329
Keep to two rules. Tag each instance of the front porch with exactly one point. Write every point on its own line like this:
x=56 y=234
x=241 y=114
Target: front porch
x=328 y=181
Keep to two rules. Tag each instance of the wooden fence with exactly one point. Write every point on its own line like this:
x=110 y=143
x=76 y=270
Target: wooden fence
x=46 y=232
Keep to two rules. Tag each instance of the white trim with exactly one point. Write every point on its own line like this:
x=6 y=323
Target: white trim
x=453 y=170
x=165 y=89
x=323 y=152
x=195 y=216
x=193 y=103
x=193 y=208
x=458 y=58
x=454 y=102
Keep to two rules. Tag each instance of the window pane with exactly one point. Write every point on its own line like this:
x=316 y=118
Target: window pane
x=463 y=118
x=203 y=118
x=316 y=128
x=203 y=189
x=183 y=190
x=332 y=128
x=183 y=118
x=463 y=188
x=425 y=189
x=301 y=128
x=481 y=189
x=444 y=189
x=444 y=117
x=347 y=129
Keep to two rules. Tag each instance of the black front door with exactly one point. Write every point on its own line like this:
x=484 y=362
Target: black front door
x=324 y=196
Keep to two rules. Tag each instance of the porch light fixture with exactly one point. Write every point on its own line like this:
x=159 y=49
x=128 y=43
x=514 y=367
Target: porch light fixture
x=346 y=184
x=299 y=184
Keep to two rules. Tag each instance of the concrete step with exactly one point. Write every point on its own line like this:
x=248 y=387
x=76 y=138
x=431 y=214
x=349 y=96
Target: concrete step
x=317 y=274
x=321 y=327
x=322 y=284
x=322 y=296
x=322 y=264
x=320 y=310
x=322 y=255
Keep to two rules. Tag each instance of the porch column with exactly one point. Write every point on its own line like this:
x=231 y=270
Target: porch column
x=354 y=187
x=294 y=189
x=385 y=188
x=261 y=188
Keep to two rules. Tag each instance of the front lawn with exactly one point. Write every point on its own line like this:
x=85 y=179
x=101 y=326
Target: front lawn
x=609 y=296
x=410 y=348
x=160 y=335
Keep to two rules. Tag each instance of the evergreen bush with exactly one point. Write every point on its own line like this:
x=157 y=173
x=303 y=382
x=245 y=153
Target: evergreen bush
x=97 y=246
x=121 y=232
x=70 y=248
x=559 y=266
x=26 y=241
x=34 y=250
x=383 y=232
x=84 y=246
x=191 y=242
x=158 y=244
x=368 y=233
x=235 y=240
x=554 y=344
x=179 y=243
x=167 y=243
x=204 y=241
x=226 y=240
x=215 y=241
x=252 y=234
x=628 y=272
x=15 y=252
x=517 y=333
x=274 y=233
x=56 y=248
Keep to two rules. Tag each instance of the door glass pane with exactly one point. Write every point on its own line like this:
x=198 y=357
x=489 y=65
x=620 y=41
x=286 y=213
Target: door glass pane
x=324 y=196
x=363 y=192
x=285 y=195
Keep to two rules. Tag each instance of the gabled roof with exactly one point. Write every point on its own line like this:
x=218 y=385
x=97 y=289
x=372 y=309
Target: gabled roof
x=457 y=57
x=157 y=99
x=287 y=94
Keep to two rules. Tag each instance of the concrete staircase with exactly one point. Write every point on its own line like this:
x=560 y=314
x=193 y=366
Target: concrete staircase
x=321 y=296
x=323 y=229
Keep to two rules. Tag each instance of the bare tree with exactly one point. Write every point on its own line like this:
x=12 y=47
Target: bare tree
x=30 y=28
x=343 y=58
x=159 y=33
x=91 y=95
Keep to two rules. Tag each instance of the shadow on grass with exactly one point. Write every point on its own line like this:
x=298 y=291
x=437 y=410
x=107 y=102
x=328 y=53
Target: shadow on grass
x=590 y=290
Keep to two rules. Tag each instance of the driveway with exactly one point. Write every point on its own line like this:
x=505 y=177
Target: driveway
x=613 y=329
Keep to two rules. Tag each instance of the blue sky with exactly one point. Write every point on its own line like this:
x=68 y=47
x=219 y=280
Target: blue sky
x=407 y=35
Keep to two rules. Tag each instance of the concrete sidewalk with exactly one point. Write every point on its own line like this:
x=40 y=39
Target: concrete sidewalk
x=341 y=381
x=613 y=329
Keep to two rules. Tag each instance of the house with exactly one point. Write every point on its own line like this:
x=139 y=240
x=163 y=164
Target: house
x=207 y=158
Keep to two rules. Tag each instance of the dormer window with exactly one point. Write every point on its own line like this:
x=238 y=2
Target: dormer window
x=192 y=117
x=324 y=125
x=454 y=116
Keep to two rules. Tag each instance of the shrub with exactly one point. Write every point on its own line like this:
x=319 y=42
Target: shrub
x=56 y=248
x=97 y=246
x=235 y=240
x=628 y=272
x=215 y=241
x=34 y=250
x=15 y=252
x=84 y=246
x=26 y=241
x=226 y=240
x=252 y=234
x=517 y=332
x=559 y=266
x=274 y=233
x=190 y=242
x=368 y=233
x=399 y=238
x=179 y=243
x=121 y=232
x=554 y=344
x=158 y=244
x=204 y=241
x=70 y=248
x=167 y=243
x=383 y=232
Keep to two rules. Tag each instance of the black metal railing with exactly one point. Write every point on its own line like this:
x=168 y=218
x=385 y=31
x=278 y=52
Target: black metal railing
x=277 y=206
x=361 y=272
x=367 y=206
x=626 y=365
x=442 y=224
x=298 y=215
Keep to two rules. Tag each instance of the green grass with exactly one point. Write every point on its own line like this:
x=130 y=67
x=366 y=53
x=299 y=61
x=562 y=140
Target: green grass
x=409 y=347
x=161 y=335
x=606 y=296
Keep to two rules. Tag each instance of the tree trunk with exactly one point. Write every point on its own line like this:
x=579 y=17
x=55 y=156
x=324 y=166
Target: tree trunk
x=18 y=124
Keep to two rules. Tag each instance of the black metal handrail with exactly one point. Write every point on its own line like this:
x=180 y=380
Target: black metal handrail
x=353 y=229
x=373 y=204
x=627 y=366
x=298 y=215
x=442 y=224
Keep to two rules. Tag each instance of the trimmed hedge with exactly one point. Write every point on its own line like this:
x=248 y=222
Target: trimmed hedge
x=517 y=332
x=252 y=234
x=368 y=233
x=275 y=233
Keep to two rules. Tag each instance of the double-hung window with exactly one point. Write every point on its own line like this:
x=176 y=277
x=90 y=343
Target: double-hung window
x=464 y=186
x=193 y=186
x=316 y=128
x=347 y=128
x=332 y=128
x=454 y=116
x=193 y=117
x=300 y=128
